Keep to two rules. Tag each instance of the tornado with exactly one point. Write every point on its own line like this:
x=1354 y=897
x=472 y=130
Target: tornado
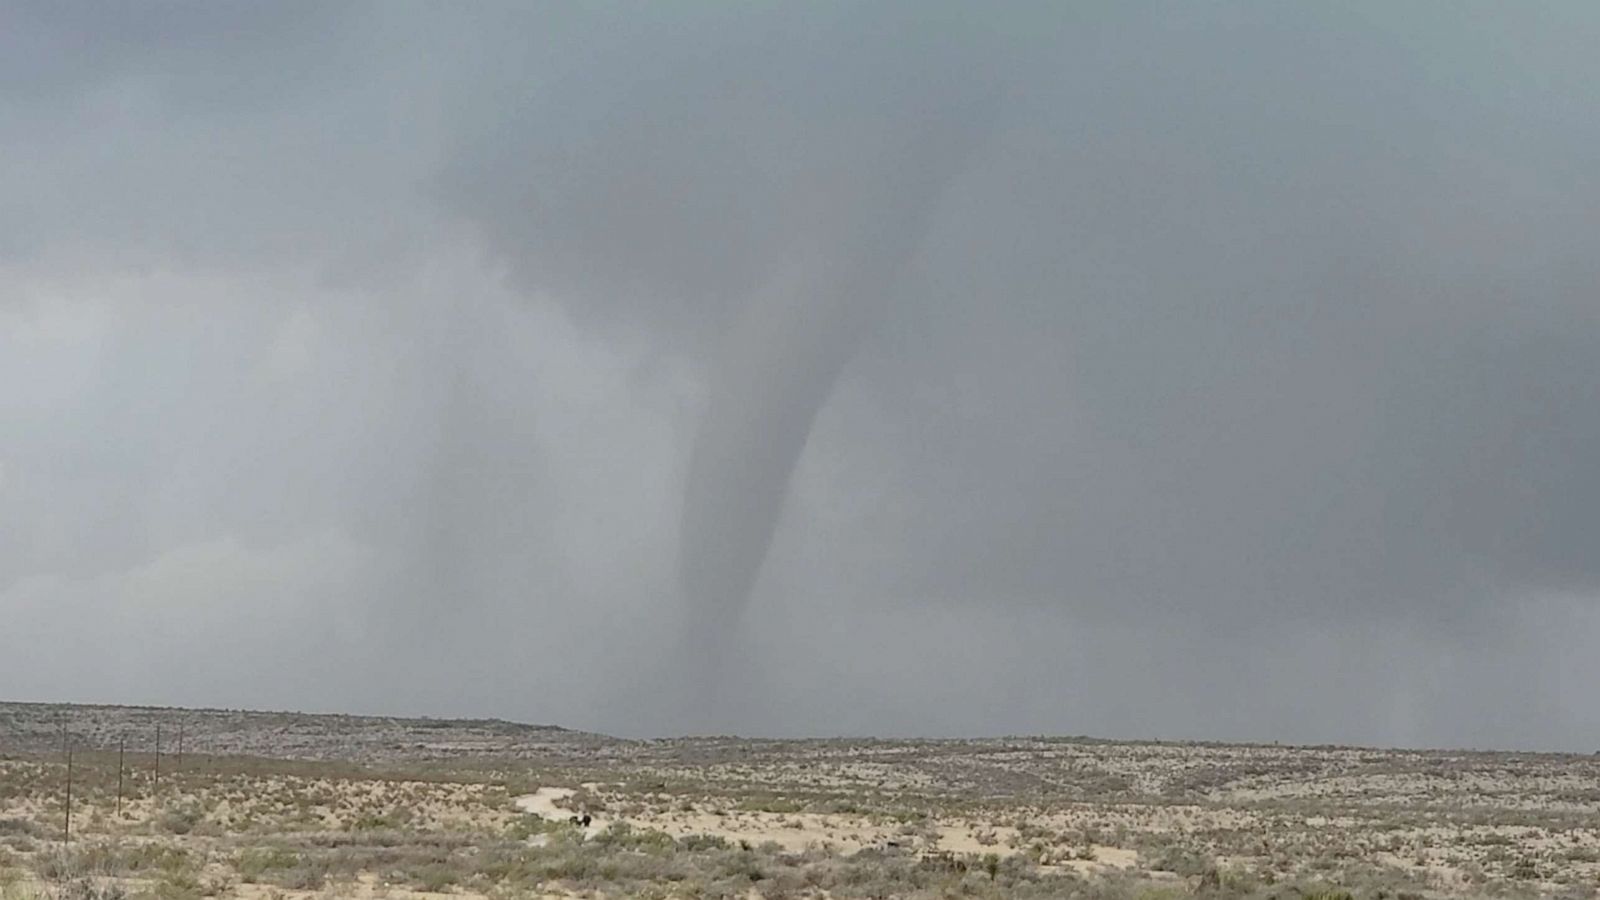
x=858 y=230
x=778 y=368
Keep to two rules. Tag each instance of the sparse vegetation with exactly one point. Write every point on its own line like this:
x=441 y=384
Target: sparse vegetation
x=391 y=808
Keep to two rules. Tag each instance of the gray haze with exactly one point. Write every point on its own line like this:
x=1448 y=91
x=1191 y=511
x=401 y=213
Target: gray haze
x=1147 y=370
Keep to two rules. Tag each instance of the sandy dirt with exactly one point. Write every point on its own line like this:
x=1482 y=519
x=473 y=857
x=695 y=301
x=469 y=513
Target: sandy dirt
x=795 y=832
x=544 y=804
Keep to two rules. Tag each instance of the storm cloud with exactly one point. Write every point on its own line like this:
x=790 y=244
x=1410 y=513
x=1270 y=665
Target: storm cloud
x=1216 y=371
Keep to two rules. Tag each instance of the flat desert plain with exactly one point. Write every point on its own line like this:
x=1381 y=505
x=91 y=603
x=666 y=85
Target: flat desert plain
x=288 y=805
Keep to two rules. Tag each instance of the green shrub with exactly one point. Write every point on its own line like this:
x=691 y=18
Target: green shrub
x=697 y=842
x=256 y=863
x=391 y=820
x=147 y=857
x=524 y=827
x=180 y=820
x=435 y=877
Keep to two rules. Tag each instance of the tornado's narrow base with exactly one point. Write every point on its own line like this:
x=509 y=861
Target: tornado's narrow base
x=711 y=669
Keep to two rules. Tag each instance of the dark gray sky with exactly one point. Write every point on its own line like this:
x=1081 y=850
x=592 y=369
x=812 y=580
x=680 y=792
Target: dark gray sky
x=1147 y=370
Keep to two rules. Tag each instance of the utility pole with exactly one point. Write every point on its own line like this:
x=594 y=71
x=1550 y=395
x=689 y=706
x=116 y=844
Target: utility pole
x=122 y=743
x=157 y=784
x=66 y=829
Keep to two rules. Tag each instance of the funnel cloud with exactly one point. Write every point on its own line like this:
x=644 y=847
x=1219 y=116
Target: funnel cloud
x=781 y=357
x=1161 y=370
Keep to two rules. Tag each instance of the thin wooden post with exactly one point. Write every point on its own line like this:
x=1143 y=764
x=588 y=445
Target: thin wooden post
x=156 y=785
x=66 y=829
x=122 y=745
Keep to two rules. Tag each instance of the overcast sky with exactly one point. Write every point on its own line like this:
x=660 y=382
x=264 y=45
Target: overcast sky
x=1142 y=370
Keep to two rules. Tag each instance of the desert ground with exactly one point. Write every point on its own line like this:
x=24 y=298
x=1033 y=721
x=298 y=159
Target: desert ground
x=287 y=805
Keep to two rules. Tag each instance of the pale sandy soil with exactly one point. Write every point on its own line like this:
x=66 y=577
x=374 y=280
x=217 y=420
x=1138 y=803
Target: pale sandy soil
x=795 y=832
x=369 y=887
x=545 y=803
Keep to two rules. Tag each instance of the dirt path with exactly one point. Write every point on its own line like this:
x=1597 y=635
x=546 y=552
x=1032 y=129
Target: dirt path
x=542 y=803
x=795 y=832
